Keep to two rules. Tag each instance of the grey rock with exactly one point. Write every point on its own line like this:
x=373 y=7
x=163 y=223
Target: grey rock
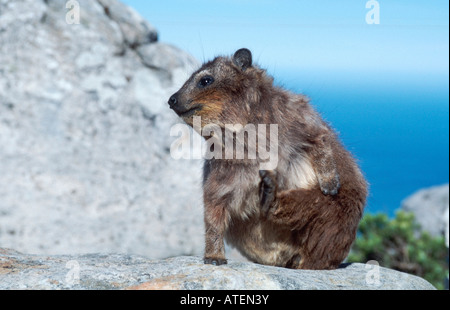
x=101 y=271
x=135 y=29
x=446 y=224
x=163 y=56
x=85 y=136
x=430 y=207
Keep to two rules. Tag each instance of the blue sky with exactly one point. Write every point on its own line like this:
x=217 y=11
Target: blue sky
x=412 y=36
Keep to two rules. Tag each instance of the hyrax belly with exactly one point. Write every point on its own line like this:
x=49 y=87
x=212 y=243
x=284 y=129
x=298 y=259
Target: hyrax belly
x=249 y=230
x=262 y=242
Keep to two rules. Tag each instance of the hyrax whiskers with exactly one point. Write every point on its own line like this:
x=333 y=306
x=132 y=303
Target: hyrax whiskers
x=304 y=212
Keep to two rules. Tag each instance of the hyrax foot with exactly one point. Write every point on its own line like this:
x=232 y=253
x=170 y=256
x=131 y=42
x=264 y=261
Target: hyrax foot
x=215 y=261
x=330 y=185
x=267 y=189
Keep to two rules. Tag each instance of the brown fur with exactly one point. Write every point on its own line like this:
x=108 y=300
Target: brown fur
x=305 y=213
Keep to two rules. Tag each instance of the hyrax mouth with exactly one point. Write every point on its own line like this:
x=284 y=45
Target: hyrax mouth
x=183 y=110
x=189 y=112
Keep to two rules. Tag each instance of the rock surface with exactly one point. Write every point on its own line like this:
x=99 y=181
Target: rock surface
x=431 y=207
x=97 y=271
x=85 y=133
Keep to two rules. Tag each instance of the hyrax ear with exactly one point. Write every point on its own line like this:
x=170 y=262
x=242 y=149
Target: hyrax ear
x=243 y=58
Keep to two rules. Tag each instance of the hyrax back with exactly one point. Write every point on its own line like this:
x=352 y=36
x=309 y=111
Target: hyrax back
x=304 y=212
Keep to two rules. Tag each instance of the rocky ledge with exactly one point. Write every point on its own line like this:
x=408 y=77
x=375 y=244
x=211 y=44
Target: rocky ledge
x=115 y=271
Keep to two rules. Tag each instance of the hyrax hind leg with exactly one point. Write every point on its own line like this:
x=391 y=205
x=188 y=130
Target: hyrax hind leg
x=323 y=242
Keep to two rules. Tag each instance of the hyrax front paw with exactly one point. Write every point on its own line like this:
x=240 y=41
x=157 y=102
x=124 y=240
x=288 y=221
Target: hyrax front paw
x=215 y=261
x=267 y=189
x=330 y=185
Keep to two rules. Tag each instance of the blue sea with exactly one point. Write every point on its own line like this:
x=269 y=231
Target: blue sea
x=396 y=125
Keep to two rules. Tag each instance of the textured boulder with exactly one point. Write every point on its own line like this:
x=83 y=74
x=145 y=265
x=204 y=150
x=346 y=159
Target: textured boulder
x=97 y=271
x=85 y=134
x=430 y=207
x=136 y=30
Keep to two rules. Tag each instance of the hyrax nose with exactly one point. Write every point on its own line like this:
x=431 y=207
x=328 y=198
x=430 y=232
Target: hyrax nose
x=173 y=100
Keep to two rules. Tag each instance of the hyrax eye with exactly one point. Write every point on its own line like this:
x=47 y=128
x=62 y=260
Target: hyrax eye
x=205 y=81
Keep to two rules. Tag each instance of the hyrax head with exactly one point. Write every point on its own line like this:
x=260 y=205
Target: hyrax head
x=220 y=92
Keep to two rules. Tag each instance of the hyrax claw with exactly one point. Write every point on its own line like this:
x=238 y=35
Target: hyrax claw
x=215 y=261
